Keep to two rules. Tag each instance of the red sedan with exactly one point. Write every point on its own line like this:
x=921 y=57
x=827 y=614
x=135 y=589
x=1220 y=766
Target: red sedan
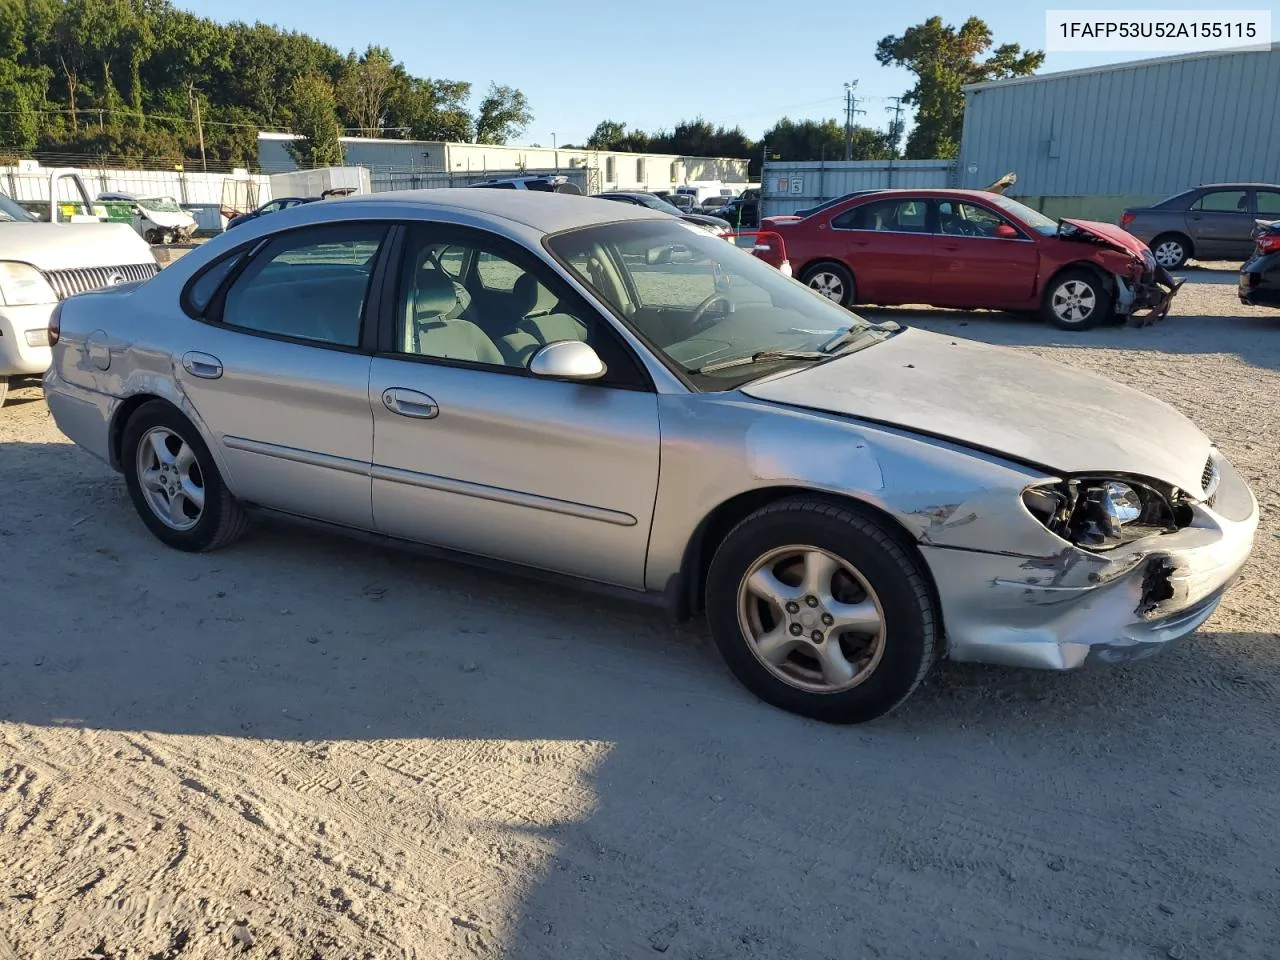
x=970 y=249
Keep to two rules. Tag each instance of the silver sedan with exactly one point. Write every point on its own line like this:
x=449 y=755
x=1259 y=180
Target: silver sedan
x=603 y=393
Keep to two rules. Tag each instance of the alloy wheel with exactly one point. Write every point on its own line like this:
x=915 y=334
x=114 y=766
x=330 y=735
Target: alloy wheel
x=1074 y=301
x=829 y=285
x=811 y=618
x=170 y=477
x=1169 y=253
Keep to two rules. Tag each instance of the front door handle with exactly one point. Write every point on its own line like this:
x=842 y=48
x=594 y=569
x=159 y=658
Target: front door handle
x=203 y=365
x=409 y=403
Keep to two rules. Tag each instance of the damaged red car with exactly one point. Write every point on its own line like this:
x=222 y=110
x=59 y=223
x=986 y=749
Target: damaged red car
x=971 y=249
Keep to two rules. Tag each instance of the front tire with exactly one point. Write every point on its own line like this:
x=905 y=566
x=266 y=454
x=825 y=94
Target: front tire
x=819 y=610
x=1076 y=300
x=174 y=483
x=833 y=281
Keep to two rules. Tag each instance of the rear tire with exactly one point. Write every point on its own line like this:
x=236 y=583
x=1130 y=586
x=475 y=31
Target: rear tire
x=174 y=483
x=1171 y=250
x=818 y=609
x=1076 y=300
x=833 y=281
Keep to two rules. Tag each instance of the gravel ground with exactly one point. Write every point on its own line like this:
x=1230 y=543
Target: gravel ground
x=309 y=748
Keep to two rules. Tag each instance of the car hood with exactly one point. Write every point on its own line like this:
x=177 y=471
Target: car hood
x=68 y=246
x=705 y=220
x=1109 y=234
x=1009 y=403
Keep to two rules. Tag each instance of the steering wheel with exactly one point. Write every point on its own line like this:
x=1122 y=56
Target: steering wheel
x=701 y=311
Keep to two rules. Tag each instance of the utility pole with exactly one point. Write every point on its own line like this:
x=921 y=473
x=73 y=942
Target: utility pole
x=895 y=133
x=850 y=109
x=195 y=103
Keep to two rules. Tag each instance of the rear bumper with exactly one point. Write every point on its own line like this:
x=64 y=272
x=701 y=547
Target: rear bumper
x=84 y=416
x=1260 y=281
x=1056 y=613
x=18 y=356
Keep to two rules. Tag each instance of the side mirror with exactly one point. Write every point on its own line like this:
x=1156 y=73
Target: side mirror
x=567 y=360
x=1006 y=232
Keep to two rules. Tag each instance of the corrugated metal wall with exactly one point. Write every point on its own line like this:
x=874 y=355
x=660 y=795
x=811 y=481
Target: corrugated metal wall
x=788 y=186
x=1145 y=128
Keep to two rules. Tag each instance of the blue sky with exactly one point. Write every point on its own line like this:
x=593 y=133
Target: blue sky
x=652 y=63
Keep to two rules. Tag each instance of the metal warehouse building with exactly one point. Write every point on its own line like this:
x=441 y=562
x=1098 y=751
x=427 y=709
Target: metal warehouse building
x=1089 y=142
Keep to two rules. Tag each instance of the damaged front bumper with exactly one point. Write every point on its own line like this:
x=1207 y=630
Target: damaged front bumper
x=1059 y=611
x=1147 y=300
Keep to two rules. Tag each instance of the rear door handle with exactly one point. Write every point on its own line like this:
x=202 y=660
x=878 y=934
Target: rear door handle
x=203 y=365
x=409 y=403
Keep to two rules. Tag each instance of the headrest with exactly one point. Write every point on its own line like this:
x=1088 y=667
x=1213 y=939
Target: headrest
x=531 y=297
x=434 y=297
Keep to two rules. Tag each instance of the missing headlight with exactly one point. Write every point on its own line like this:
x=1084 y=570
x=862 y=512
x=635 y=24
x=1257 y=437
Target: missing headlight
x=1101 y=513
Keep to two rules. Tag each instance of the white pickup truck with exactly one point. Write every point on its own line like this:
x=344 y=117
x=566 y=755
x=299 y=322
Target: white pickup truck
x=42 y=263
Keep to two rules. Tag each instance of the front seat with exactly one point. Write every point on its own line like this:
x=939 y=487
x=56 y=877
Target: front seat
x=433 y=329
x=540 y=314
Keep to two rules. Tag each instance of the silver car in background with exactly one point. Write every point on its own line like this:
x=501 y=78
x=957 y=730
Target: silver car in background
x=1214 y=221
x=602 y=392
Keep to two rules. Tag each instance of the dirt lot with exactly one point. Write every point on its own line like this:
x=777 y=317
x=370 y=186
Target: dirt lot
x=310 y=748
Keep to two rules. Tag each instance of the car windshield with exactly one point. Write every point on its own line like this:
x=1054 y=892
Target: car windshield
x=160 y=204
x=657 y=203
x=11 y=212
x=698 y=301
x=1034 y=219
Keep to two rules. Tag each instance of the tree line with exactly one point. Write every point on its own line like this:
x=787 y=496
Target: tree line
x=131 y=80
x=943 y=59
x=127 y=79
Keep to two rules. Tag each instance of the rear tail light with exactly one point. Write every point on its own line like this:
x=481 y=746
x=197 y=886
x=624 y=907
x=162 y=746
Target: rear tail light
x=1269 y=243
x=1125 y=220
x=55 y=324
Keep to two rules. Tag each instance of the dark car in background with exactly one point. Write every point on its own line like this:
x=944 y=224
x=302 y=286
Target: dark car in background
x=1260 y=276
x=272 y=206
x=1213 y=221
x=716 y=225
x=742 y=210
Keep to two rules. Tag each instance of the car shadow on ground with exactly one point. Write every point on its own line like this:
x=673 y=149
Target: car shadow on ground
x=720 y=827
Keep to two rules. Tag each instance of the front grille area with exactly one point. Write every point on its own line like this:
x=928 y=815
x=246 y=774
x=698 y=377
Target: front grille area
x=84 y=279
x=1210 y=478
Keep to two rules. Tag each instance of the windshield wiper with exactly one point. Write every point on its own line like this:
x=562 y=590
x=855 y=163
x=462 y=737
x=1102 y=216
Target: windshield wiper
x=763 y=356
x=852 y=334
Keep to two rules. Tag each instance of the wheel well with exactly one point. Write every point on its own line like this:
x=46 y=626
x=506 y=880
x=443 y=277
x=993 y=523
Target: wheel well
x=126 y=410
x=1185 y=240
x=822 y=260
x=720 y=521
x=1104 y=276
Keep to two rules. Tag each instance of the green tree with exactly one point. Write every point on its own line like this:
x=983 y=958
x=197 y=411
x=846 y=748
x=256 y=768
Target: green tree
x=315 y=121
x=366 y=87
x=19 y=123
x=824 y=140
x=944 y=59
x=504 y=114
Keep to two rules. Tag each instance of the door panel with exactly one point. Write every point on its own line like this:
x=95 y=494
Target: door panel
x=293 y=422
x=559 y=476
x=277 y=375
x=1220 y=224
x=889 y=247
x=975 y=268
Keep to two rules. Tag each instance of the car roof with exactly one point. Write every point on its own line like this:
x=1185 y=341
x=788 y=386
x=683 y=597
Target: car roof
x=1235 y=184
x=542 y=211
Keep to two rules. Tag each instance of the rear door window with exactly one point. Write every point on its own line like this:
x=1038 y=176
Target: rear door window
x=308 y=285
x=886 y=216
x=1223 y=201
